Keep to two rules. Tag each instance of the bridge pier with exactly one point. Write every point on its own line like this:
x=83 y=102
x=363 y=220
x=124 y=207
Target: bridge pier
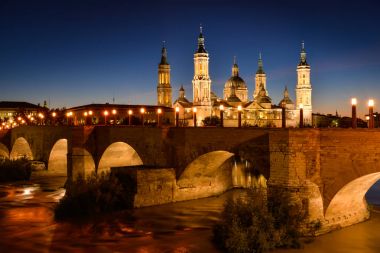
x=294 y=159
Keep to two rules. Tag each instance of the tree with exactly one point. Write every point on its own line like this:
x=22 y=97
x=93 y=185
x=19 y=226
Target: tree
x=211 y=121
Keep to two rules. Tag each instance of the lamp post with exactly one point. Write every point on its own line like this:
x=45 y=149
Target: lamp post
x=371 y=119
x=142 y=111
x=301 y=115
x=68 y=115
x=354 y=120
x=221 y=109
x=129 y=116
x=105 y=117
x=195 y=116
x=239 y=115
x=85 y=114
x=283 y=115
x=159 y=112
x=53 y=115
x=90 y=118
x=114 y=116
x=177 y=116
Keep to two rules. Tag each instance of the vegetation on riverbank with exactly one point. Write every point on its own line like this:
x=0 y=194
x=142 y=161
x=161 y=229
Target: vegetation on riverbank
x=14 y=170
x=96 y=194
x=256 y=224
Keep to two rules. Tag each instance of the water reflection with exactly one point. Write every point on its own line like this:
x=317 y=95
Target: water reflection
x=245 y=175
x=27 y=223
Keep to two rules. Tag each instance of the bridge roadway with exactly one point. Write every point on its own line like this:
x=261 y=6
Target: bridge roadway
x=328 y=171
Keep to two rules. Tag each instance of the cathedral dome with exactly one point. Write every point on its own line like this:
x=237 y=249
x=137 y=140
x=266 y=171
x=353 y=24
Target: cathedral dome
x=235 y=81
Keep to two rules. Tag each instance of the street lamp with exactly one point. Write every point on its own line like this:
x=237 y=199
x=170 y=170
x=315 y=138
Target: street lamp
x=68 y=115
x=114 y=116
x=177 y=116
x=159 y=111
x=90 y=118
x=371 y=103
x=129 y=116
x=301 y=115
x=239 y=115
x=105 y=117
x=221 y=109
x=85 y=118
x=283 y=115
x=195 y=116
x=354 y=121
x=142 y=111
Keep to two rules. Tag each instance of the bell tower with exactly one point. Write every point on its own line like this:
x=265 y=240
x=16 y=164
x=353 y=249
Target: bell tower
x=164 y=89
x=260 y=78
x=303 y=87
x=201 y=80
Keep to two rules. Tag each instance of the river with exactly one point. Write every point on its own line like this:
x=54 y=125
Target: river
x=27 y=225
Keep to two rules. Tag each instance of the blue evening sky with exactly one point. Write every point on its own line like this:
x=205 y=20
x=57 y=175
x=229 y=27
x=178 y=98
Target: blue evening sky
x=74 y=52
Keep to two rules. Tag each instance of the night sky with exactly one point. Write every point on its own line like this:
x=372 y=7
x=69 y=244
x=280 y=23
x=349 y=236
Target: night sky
x=77 y=52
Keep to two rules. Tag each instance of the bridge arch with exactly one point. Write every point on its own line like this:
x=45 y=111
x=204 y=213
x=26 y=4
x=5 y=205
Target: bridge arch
x=349 y=205
x=58 y=158
x=118 y=154
x=4 y=152
x=21 y=148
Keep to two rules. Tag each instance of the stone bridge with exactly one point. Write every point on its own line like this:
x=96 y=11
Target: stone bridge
x=327 y=171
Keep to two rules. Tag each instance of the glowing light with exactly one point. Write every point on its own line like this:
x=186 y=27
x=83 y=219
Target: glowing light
x=371 y=103
x=27 y=191
x=85 y=114
x=177 y=109
x=142 y=110
x=159 y=110
x=194 y=109
x=239 y=108
x=367 y=117
x=19 y=118
x=113 y=111
x=354 y=101
x=130 y=112
x=221 y=107
x=54 y=114
x=90 y=112
x=105 y=113
x=301 y=106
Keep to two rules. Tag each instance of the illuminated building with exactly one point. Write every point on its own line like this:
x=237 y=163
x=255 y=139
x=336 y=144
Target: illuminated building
x=260 y=111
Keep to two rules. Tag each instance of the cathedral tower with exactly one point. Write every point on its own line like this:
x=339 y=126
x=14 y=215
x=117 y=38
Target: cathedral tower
x=164 y=89
x=303 y=87
x=260 y=78
x=201 y=80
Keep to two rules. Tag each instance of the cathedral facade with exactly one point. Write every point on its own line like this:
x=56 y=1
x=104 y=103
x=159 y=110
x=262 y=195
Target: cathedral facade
x=259 y=110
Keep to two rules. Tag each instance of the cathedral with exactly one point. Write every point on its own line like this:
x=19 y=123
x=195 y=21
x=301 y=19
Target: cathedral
x=258 y=110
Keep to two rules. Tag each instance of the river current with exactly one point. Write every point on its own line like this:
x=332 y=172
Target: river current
x=27 y=225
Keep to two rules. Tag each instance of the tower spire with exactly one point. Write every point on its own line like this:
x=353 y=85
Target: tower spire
x=260 y=69
x=164 y=55
x=303 y=55
x=201 y=41
x=235 y=68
